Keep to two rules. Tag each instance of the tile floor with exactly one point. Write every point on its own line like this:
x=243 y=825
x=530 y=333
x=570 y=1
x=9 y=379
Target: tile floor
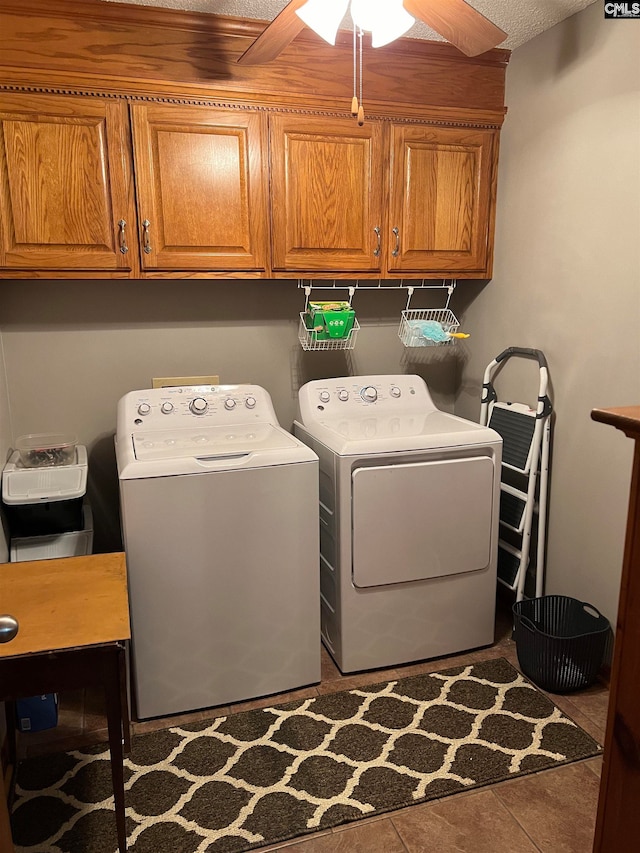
x=550 y=812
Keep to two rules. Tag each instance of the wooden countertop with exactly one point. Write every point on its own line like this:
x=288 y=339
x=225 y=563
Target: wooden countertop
x=65 y=602
x=626 y=418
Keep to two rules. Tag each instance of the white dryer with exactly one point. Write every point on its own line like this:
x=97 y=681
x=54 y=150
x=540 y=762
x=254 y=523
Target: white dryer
x=409 y=502
x=220 y=521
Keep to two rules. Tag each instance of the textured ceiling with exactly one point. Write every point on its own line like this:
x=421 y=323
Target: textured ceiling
x=521 y=19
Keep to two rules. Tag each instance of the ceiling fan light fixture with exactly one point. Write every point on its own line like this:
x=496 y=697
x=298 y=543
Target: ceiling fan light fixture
x=393 y=29
x=386 y=20
x=324 y=17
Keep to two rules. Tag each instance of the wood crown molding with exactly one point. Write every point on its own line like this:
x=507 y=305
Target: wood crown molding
x=141 y=51
x=375 y=111
x=127 y=14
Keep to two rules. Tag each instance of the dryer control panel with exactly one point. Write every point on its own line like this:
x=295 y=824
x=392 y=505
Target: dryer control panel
x=361 y=396
x=188 y=405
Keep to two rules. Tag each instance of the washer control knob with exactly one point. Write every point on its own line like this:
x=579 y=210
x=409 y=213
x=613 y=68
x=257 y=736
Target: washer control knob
x=250 y=402
x=198 y=406
x=395 y=391
x=166 y=408
x=325 y=396
x=369 y=394
x=144 y=409
x=343 y=394
x=229 y=404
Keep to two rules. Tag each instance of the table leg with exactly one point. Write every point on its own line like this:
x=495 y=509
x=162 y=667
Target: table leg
x=6 y=842
x=124 y=703
x=11 y=717
x=115 y=722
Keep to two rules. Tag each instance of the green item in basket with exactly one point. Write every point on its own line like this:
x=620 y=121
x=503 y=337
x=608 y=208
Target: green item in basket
x=327 y=320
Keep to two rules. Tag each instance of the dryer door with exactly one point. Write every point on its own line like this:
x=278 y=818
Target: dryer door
x=421 y=520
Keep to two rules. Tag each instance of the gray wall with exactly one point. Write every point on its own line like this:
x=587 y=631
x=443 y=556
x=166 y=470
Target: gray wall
x=73 y=348
x=567 y=279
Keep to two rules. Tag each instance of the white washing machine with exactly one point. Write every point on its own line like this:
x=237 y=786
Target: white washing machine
x=409 y=502
x=220 y=521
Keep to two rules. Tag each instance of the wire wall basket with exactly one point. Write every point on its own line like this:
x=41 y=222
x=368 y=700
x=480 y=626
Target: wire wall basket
x=416 y=326
x=419 y=327
x=309 y=337
x=319 y=338
x=429 y=327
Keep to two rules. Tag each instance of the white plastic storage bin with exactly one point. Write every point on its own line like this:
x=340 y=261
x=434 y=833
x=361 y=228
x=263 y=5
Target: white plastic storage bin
x=77 y=543
x=44 y=501
x=44 y=450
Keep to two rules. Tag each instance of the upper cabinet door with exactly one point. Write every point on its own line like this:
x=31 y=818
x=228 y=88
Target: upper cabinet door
x=66 y=196
x=200 y=187
x=441 y=208
x=327 y=178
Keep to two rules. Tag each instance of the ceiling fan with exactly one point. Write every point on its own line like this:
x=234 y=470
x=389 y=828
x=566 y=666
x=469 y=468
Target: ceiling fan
x=455 y=20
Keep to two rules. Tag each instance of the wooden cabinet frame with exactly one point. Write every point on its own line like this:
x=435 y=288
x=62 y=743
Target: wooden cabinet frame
x=200 y=187
x=441 y=199
x=326 y=195
x=66 y=197
x=388 y=199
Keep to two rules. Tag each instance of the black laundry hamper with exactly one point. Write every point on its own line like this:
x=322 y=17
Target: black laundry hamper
x=561 y=642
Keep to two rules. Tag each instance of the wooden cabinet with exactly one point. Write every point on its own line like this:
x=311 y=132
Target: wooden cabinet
x=225 y=192
x=386 y=199
x=66 y=186
x=440 y=209
x=119 y=113
x=66 y=198
x=200 y=187
x=326 y=194
x=618 y=821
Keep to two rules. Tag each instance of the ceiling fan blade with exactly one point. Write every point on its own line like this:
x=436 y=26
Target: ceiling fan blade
x=276 y=36
x=459 y=23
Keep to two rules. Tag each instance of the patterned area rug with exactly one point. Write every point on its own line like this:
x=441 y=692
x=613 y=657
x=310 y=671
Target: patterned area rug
x=258 y=777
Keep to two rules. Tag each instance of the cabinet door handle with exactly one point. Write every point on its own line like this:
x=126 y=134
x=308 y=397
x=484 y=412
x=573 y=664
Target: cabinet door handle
x=378 y=248
x=123 y=237
x=9 y=627
x=396 y=251
x=145 y=237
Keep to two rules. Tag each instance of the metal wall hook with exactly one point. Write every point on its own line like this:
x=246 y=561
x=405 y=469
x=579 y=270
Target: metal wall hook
x=409 y=295
x=357 y=284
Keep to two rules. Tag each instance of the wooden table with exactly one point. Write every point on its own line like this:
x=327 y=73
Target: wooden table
x=73 y=617
x=618 y=821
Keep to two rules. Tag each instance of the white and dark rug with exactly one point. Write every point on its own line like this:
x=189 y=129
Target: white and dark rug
x=258 y=777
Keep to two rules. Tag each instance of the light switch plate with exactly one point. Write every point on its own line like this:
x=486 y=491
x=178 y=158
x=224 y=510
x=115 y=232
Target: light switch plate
x=173 y=381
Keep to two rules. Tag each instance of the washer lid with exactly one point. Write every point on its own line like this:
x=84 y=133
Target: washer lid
x=210 y=443
x=404 y=431
x=174 y=452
